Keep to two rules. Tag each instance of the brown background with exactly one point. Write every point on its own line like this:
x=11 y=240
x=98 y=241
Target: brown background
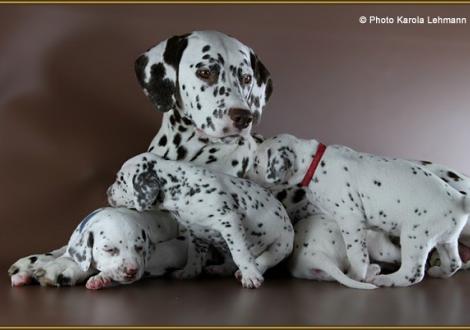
x=71 y=110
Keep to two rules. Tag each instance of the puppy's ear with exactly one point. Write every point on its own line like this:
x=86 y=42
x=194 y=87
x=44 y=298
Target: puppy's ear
x=146 y=189
x=280 y=165
x=157 y=72
x=80 y=248
x=262 y=85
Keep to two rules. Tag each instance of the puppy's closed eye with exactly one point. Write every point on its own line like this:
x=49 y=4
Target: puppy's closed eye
x=112 y=251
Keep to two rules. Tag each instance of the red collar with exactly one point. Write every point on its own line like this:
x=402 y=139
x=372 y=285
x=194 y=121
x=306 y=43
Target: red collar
x=313 y=165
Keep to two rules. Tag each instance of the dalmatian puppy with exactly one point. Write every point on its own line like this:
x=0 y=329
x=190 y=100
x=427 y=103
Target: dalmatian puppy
x=319 y=251
x=362 y=191
x=215 y=208
x=117 y=246
x=212 y=89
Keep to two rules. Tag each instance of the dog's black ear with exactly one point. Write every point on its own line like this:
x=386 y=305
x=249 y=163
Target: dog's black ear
x=280 y=165
x=80 y=247
x=146 y=189
x=157 y=72
x=263 y=85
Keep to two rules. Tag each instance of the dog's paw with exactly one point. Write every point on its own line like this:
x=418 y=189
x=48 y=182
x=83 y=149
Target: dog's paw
x=382 y=281
x=99 y=282
x=250 y=279
x=22 y=271
x=59 y=272
x=372 y=271
x=184 y=274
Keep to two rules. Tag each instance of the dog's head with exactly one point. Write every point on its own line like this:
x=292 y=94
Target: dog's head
x=275 y=161
x=217 y=83
x=136 y=185
x=114 y=244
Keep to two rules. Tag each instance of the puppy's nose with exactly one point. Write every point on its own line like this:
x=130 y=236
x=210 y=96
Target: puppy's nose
x=130 y=271
x=241 y=117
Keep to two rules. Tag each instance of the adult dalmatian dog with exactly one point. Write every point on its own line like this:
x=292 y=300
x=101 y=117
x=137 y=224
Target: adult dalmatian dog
x=245 y=220
x=212 y=90
x=186 y=79
x=362 y=191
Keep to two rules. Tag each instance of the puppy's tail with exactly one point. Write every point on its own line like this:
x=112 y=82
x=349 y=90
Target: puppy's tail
x=333 y=270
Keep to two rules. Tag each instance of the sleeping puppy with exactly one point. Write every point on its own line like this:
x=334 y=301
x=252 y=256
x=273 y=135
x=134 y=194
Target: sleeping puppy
x=362 y=191
x=119 y=246
x=233 y=214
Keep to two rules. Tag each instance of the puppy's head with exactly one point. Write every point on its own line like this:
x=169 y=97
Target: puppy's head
x=114 y=245
x=136 y=185
x=275 y=161
x=215 y=82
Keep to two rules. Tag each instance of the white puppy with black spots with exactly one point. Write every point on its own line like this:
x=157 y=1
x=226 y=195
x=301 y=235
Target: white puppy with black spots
x=115 y=246
x=362 y=191
x=216 y=208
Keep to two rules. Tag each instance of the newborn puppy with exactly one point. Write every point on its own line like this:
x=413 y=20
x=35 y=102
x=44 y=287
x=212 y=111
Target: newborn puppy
x=319 y=249
x=362 y=191
x=217 y=209
x=121 y=245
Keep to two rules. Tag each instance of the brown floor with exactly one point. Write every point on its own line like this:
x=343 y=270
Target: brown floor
x=280 y=301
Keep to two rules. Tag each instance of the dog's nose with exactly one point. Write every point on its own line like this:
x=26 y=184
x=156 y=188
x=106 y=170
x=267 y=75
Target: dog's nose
x=131 y=271
x=241 y=117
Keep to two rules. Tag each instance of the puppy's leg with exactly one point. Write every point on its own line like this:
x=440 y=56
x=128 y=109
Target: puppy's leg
x=196 y=257
x=99 y=281
x=235 y=236
x=381 y=248
x=414 y=251
x=275 y=253
x=355 y=239
x=167 y=256
x=22 y=271
x=450 y=260
x=62 y=271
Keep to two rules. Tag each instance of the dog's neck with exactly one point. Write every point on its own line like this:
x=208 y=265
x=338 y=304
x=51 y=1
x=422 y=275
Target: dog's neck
x=178 y=139
x=305 y=151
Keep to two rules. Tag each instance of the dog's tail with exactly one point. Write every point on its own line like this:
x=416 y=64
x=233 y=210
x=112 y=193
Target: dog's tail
x=333 y=270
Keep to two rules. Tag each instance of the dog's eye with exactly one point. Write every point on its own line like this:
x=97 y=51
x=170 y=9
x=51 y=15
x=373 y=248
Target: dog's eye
x=245 y=79
x=203 y=74
x=111 y=251
x=139 y=248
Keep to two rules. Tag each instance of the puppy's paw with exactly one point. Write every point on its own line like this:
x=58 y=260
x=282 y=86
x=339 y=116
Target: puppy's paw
x=437 y=271
x=184 y=274
x=250 y=279
x=382 y=281
x=99 y=282
x=59 y=272
x=22 y=271
x=372 y=271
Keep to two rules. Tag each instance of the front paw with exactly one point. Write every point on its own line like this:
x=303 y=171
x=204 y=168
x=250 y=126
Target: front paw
x=372 y=271
x=382 y=281
x=184 y=274
x=250 y=279
x=60 y=272
x=22 y=271
x=99 y=282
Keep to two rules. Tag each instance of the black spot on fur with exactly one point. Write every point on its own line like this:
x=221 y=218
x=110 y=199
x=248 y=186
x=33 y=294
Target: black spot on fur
x=163 y=141
x=206 y=48
x=91 y=240
x=298 y=195
x=181 y=153
x=453 y=176
x=33 y=259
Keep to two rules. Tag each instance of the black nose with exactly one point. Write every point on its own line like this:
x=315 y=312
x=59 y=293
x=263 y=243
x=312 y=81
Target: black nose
x=241 y=117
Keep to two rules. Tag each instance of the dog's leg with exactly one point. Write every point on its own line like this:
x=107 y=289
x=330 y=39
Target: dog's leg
x=354 y=234
x=235 y=237
x=414 y=252
x=450 y=260
x=381 y=248
x=196 y=258
x=274 y=254
x=62 y=271
x=22 y=271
